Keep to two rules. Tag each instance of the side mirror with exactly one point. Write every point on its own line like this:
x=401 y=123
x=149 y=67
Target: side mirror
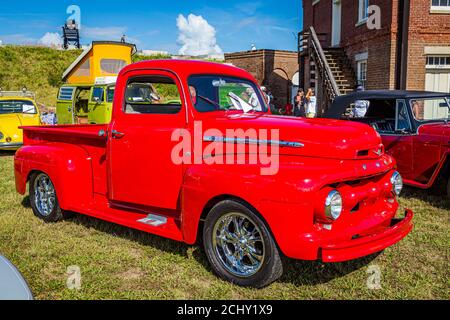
x=403 y=132
x=97 y=100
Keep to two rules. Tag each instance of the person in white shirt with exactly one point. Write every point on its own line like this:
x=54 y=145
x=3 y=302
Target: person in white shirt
x=311 y=104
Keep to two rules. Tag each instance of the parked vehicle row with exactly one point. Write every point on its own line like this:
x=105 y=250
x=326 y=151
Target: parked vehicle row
x=339 y=188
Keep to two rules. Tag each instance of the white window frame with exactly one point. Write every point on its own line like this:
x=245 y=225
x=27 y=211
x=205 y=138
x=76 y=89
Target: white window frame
x=363 y=11
x=442 y=7
x=438 y=62
x=361 y=76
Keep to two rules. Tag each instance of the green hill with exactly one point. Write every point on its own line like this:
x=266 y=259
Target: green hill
x=39 y=69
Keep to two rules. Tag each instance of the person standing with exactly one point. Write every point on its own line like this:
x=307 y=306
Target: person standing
x=311 y=104
x=299 y=104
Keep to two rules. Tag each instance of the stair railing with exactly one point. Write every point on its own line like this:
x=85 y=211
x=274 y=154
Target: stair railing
x=310 y=45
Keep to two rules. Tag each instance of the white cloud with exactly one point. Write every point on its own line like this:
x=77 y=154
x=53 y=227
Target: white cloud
x=51 y=39
x=197 y=37
x=17 y=39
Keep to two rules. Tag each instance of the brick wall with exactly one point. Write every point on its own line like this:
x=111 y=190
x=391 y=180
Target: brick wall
x=272 y=68
x=380 y=44
x=425 y=29
x=318 y=16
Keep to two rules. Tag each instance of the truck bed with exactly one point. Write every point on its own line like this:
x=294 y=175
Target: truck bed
x=85 y=137
x=64 y=133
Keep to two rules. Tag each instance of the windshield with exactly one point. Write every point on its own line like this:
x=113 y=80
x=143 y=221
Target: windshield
x=110 y=94
x=431 y=109
x=221 y=93
x=17 y=106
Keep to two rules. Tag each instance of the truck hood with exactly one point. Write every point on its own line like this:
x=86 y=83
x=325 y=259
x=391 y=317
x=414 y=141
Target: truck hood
x=322 y=138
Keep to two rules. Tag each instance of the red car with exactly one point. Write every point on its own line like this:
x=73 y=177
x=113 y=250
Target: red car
x=413 y=126
x=192 y=153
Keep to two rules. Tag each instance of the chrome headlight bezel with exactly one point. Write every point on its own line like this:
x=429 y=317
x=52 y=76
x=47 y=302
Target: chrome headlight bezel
x=397 y=183
x=333 y=205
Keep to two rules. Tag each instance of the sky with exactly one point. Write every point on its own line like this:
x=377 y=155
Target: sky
x=179 y=27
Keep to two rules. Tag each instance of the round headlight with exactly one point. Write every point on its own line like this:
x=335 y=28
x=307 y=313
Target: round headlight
x=397 y=183
x=333 y=205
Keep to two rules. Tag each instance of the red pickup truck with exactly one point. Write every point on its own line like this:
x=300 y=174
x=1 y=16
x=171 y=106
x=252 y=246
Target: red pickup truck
x=191 y=153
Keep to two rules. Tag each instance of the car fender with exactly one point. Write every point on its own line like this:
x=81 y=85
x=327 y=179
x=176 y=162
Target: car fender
x=68 y=166
x=276 y=199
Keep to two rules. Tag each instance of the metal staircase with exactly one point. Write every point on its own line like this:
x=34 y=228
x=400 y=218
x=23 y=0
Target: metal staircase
x=333 y=71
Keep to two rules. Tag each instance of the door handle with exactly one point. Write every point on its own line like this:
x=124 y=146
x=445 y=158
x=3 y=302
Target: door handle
x=117 y=135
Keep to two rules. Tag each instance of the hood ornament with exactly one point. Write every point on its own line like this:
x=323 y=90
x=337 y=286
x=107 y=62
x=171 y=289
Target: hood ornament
x=378 y=152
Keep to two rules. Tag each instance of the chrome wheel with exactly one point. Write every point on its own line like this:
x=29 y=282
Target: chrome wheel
x=44 y=195
x=239 y=245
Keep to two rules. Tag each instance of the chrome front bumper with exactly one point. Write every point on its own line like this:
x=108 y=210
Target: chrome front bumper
x=10 y=146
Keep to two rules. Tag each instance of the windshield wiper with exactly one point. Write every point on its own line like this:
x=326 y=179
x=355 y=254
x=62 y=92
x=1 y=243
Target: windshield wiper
x=217 y=105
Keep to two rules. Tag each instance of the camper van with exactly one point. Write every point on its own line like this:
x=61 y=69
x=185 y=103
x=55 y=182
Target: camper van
x=85 y=104
x=88 y=92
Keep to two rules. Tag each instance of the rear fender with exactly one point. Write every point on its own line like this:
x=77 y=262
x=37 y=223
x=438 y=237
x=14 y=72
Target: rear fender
x=68 y=166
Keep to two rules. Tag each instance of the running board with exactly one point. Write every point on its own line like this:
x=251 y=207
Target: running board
x=154 y=220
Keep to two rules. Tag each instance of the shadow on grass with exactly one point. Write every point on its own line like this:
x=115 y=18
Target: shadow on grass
x=299 y=273
x=7 y=153
x=141 y=237
x=302 y=273
x=26 y=202
x=436 y=196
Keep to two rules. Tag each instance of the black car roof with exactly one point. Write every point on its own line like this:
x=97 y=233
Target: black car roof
x=340 y=103
x=394 y=94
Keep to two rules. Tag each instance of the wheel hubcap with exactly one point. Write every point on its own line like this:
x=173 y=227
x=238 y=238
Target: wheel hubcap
x=238 y=243
x=44 y=195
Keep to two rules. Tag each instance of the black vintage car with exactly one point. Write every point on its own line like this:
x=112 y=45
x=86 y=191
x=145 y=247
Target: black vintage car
x=413 y=125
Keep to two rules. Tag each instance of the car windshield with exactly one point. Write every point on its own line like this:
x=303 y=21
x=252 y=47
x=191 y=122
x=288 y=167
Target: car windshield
x=221 y=93
x=17 y=106
x=431 y=109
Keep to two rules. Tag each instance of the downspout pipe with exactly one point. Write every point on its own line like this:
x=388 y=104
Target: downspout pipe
x=402 y=45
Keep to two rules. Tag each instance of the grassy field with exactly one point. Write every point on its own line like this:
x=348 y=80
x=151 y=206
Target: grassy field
x=118 y=263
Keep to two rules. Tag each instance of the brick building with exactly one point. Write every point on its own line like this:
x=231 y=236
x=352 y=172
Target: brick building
x=410 y=49
x=276 y=69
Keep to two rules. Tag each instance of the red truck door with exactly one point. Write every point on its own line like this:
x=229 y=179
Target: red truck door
x=148 y=108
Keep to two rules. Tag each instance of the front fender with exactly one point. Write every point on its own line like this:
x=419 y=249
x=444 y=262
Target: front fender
x=284 y=201
x=68 y=166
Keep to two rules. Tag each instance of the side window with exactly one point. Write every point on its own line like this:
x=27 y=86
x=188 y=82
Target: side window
x=98 y=94
x=403 y=124
x=152 y=95
x=66 y=93
x=110 y=94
